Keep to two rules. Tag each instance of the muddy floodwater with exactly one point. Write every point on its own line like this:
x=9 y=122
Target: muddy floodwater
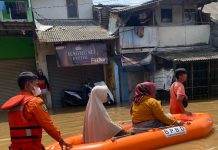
x=70 y=122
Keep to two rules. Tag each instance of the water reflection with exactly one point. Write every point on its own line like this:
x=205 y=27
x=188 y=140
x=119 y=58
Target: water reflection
x=70 y=122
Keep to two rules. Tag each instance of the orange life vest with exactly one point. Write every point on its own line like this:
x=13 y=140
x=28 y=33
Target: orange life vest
x=23 y=133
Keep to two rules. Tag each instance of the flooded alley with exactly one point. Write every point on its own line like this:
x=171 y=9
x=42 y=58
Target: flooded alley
x=60 y=50
x=70 y=122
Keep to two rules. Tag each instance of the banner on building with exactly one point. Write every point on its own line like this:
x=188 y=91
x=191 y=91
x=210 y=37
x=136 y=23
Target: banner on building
x=75 y=54
x=136 y=59
x=163 y=79
x=138 y=37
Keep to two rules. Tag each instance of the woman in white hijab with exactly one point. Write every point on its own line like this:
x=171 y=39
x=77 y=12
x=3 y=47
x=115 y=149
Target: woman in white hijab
x=98 y=125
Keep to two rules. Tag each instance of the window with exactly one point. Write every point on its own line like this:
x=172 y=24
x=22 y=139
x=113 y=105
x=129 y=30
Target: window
x=16 y=10
x=189 y=16
x=166 y=16
x=72 y=8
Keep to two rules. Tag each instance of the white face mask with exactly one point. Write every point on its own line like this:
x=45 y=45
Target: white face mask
x=37 y=91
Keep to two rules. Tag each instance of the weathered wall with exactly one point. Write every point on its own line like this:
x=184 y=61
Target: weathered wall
x=178 y=12
x=165 y=36
x=42 y=50
x=57 y=9
x=134 y=78
x=214 y=35
x=130 y=38
x=183 y=35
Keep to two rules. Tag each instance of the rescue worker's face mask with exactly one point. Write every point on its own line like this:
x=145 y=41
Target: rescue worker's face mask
x=36 y=91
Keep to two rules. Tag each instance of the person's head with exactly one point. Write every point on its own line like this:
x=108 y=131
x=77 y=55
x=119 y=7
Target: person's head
x=181 y=74
x=100 y=93
x=145 y=88
x=28 y=81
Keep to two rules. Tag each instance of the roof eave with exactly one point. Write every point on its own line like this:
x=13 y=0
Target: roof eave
x=147 y=5
x=58 y=41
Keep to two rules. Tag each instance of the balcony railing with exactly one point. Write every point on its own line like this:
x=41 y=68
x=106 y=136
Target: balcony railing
x=18 y=11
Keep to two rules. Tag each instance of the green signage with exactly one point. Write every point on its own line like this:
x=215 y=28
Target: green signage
x=16 y=47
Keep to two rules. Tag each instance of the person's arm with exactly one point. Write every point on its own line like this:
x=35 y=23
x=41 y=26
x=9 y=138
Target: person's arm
x=180 y=97
x=159 y=114
x=180 y=102
x=43 y=118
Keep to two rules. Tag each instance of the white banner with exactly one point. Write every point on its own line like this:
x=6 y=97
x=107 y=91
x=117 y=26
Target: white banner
x=163 y=79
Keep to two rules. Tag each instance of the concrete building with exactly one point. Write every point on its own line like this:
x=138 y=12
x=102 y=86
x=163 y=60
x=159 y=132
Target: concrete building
x=17 y=52
x=212 y=9
x=62 y=9
x=66 y=32
x=161 y=35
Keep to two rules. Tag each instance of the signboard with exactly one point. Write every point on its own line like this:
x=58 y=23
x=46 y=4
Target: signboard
x=75 y=54
x=174 y=131
x=163 y=79
x=138 y=37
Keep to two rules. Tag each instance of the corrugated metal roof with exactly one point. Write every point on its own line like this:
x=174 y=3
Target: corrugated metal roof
x=150 y=3
x=119 y=2
x=212 y=8
x=69 y=31
x=187 y=54
x=66 y=22
x=139 y=7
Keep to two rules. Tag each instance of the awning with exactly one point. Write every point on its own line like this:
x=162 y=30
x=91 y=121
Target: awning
x=152 y=3
x=71 y=31
x=136 y=59
x=187 y=54
x=139 y=7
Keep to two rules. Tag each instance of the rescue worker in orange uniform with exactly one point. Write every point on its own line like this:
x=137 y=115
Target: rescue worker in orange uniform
x=28 y=115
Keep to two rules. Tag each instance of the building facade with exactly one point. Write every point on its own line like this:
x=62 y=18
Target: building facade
x=66 y=42
x=148 y=34
x=62 y=9
x=17 y=52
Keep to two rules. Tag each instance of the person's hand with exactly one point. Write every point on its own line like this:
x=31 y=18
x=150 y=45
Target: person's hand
x=187 y=113
x=65 y=145
x=122 y=133
x=180 y=123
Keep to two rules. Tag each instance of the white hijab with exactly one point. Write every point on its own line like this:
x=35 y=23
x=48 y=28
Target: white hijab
x=98 y=125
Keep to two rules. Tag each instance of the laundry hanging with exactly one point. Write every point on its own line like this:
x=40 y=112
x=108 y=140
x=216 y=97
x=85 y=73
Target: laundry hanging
x=21 y=7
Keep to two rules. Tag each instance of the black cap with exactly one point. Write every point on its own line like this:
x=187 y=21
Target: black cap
x=179 y=72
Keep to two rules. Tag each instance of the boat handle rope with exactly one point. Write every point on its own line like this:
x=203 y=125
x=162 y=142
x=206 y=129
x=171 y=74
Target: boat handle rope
x=113 y=139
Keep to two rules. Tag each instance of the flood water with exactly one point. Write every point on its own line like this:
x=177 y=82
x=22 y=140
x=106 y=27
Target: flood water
x=70 y=122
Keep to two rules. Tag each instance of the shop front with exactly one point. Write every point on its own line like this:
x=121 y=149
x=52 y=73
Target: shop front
x=17 y=54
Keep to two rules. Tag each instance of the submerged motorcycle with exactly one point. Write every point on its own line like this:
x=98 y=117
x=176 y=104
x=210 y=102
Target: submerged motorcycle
x=81 y=97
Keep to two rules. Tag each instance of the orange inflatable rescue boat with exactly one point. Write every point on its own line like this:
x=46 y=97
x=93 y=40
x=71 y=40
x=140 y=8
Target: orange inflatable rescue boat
x=198 y=125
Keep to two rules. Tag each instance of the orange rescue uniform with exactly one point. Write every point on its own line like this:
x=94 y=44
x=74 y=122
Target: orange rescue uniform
x=35 y=111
